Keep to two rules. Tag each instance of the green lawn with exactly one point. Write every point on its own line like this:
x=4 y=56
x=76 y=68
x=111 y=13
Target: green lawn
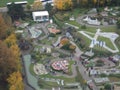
x=67 y=80
x=3 y=2
x=109 y=29
x=89 y=29
x=108 y=42
x=86 y=40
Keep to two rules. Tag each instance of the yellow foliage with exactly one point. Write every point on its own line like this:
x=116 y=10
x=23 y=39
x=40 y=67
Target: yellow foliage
x=102 y=2
x=63 y=4
x=15 y=81
x=11 y=40
x=16 y=52
x=84 y=2
x=72 y=47
x=64 y=41
x=37 y=5
x=94 y=1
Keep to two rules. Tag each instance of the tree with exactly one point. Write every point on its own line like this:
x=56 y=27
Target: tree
x=107 y=86
x=72 y=47
x=63 y=4
x=64 y=41
x=118 y=24
x=8 y=63
x=16 y=11
x=3 y=28
x=48 y=7
x=16 y=53
x=15 y=81
x=28 y=6
x=7 y=19
x=11 y=40
x=37 y=5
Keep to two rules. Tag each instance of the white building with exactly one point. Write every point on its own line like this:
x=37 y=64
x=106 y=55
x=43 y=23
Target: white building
x=90 y=21
x=40 y=16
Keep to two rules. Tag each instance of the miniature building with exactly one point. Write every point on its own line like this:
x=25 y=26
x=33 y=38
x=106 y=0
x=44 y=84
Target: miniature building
x=40 y=16
x=90 y=21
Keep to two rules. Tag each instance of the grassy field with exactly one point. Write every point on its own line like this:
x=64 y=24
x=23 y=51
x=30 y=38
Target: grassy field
x=108 y=42
x=3 y=2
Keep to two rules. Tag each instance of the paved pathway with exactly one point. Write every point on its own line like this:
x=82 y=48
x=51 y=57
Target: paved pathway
x=30 y=78
x=82 y=69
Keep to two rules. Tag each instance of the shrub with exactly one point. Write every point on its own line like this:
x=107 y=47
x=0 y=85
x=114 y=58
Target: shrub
x=51 y=35
x=103 y=75
x=66 y=46
x=64 y=41
x=107 y=86
x=72 y=47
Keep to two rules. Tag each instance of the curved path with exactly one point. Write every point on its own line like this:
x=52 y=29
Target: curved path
x=32 y=81
x=82 y=70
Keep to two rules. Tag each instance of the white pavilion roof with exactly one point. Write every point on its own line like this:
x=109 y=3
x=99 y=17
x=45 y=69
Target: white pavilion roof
x=40 y=13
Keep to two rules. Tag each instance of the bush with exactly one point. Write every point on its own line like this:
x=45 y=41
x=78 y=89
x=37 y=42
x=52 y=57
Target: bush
x=20 y=28
x=51 y=35
x=72 y=47
x=103 y=75
x=66 y=46
x=107 y=86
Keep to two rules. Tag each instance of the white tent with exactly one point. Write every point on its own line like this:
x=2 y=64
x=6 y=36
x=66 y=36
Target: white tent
x=40 y=16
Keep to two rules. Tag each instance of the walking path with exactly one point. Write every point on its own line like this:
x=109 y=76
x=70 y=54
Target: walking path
x=82 y=70
x=30 y=78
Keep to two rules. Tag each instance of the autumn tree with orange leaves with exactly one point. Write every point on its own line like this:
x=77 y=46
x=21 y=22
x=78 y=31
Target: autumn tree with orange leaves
x=63 y=4
x=11 y=43
x=3 y=28
x=8 y=63
x=37 y=5
x=15 y=81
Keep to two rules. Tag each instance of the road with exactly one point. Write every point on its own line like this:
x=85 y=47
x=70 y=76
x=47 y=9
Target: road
x=82 y=69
